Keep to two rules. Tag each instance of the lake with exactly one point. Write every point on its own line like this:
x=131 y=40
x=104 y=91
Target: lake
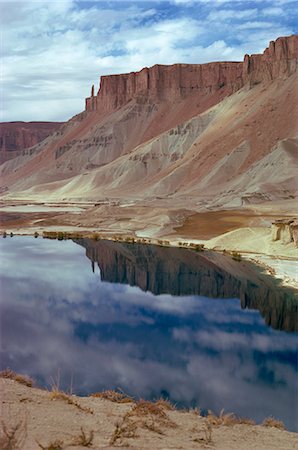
x=199 y=329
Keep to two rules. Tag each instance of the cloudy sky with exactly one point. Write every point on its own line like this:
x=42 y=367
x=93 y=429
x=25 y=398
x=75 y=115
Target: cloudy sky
x=53 y=51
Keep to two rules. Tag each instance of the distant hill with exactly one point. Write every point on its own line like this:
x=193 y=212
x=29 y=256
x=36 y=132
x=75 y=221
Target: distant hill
x=18 y=136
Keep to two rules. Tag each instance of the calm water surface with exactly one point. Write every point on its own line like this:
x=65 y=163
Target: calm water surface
x=199 y=329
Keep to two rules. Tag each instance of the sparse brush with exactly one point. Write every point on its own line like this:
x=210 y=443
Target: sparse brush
x=83 y=439
x=144 y=414
x=50 y=234
x=145 y=407
x=228 y=419
x=145 y=410
x=59 y=395
x=36 y=234
x=152 y=426
x=55 y=445
x=236 y=256
x=114 y=396
x=123 y=429
x=13 y=436
x=166 y=404
x=208 y=432
x=272 y=422
x=22 y=379
x=4 y=234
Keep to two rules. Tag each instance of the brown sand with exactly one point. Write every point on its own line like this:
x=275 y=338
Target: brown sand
x=206 y=225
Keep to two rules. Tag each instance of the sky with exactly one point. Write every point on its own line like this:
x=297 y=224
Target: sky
x=53 y=51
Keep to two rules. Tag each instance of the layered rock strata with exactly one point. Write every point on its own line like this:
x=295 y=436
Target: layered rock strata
x=17 y=136
x=180 y=81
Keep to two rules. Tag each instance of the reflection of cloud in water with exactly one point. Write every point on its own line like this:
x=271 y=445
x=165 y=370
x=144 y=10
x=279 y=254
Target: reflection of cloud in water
x=200 y=351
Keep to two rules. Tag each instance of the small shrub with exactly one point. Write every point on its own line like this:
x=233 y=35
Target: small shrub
x=55 y=445
x=236 y=256
x=145 y=407
x=123 y=429
x=166 y=404
x=22 y=379
x=36 y=234
x=114 y=396
x=228 y=419
x=13 y=436
x=50 y=235
x=83 y=439
x=11 y=234
x=274 y=423
x=59 y=395
x=4 y=234
x=199 y=248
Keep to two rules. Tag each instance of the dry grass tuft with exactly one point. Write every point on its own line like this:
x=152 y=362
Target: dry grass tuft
x=274 y=423
x=59 y=395
x=236 y=256
x=229 y=419
x=124 y=429
x=144 y=414
x=165 y=404
x=55 y=445
x=207 y=438
x=83 y=439
x=145 y=408
x=114 y=396
x=22 y=379
x=13 y=437
x=151 y=425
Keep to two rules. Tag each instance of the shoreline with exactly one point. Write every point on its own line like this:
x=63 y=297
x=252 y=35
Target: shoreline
x=160 y=226
x=266 y=262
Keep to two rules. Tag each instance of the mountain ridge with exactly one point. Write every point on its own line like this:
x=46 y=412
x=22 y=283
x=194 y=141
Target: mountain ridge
x=219 y=147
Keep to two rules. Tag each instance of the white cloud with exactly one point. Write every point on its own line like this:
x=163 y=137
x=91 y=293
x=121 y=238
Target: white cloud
x=224 y=14
x=255 y=25
x=53 y=51
x=273 y=11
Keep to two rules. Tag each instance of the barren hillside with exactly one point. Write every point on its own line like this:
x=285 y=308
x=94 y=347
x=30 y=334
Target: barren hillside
x=212 y=135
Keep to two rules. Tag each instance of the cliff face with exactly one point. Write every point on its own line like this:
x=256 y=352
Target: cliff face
x=166 y=83
x=185 y=133
x=180 y=81
x=17 y=136
x=182 y=272
x=280 y=59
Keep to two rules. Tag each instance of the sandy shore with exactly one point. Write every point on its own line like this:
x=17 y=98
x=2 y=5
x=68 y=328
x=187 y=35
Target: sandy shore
x=245 y=231
x=37 y=418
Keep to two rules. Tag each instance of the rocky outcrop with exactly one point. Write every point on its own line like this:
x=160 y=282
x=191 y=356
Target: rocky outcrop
x=17 y=136
x=160 y=83
x=180 y=81
x=182 y=272
x=280 y=59
x=285 y=231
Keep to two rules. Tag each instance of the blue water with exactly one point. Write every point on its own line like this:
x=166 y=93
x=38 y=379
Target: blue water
x=95 y=331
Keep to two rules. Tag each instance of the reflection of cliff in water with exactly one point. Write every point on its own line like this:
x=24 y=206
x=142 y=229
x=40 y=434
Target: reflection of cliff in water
x=181 y=272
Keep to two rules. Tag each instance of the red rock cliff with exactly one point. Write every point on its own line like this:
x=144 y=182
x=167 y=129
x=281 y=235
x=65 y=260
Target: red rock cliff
x=280 y=59
x=17 y=136
x=180 y=81
x=166 y=82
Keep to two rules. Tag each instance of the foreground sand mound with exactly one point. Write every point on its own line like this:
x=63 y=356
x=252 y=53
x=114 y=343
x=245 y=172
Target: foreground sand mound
x=34 y=419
